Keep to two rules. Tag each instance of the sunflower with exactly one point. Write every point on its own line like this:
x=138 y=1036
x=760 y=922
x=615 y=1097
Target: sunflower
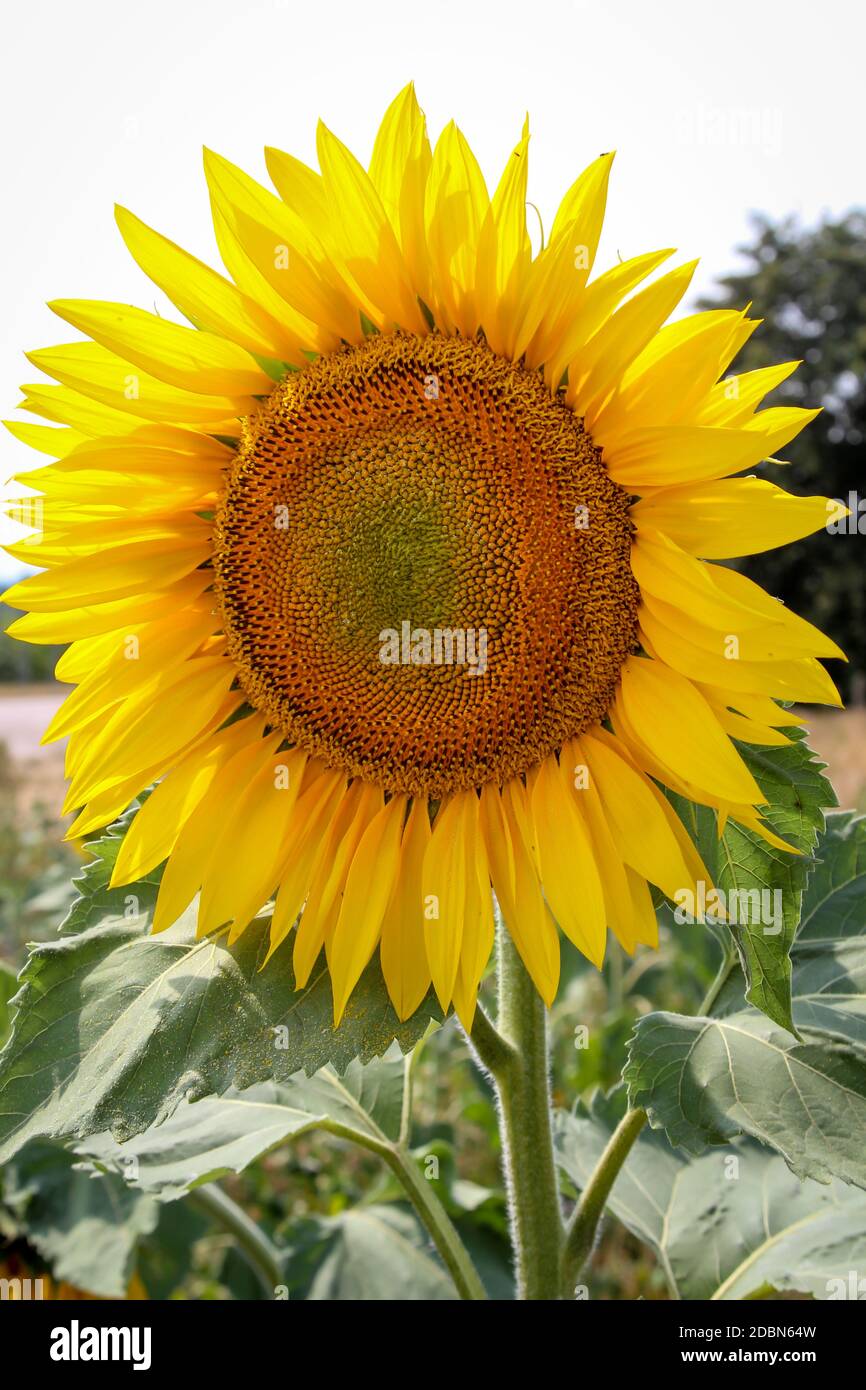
x=395 y=571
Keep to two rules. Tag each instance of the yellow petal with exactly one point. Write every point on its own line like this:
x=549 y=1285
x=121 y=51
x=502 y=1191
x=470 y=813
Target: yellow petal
x=618 y=902
x=249 y=279
x=46 y=438
x=669 y=379
x=518 y=892
x=114 y=573
x=157 y=722
x=740 y=589
x=456 y=204
x=193 y=850
x=774 y=641
x=734 y=400
x=443 y=887
x=564 y=316
x=205 y=296
x=136 y=657
x=402 y=952
x=283 y=250
x=307 y=836
x=369 y=885
x=250 y=848
x=478 y=926
x=155 y=829
x=668 y=573
x=315 y=929
x=802 y=679
x=746 y=730
x=645 y=923
x=302 y=189
x=195 y=361
x=68 y=407
x=732 y=516
x=637 y=823
x=66 y=626
x=665 y=455
x=597 y=369
x=59 y=544
x=759 y=707
x=672 y=717
x=399 y=167
x=365 y=240
x=96 y=372
x=569 y=873
x=505 y=252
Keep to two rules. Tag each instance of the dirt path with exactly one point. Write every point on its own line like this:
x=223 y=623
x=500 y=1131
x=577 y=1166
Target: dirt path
x=34 y=771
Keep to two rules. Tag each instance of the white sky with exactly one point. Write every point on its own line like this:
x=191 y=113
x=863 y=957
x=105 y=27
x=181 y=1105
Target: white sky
x=714 y=110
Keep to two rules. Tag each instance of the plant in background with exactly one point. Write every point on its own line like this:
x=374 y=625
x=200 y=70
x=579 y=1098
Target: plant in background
x=396 y=428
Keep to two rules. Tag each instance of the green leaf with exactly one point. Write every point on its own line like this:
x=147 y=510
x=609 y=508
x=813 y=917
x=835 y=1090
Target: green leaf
x=834 y=904
x=705 y=1080
x=94 y=900
x=798 y=793
x=115 y=1027
x=204 y=1141
x=763 y=886
x=727 y=1225
x=85 y=1227
x=369 y=1253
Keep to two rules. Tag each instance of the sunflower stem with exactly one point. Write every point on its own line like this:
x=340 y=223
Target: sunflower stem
x=493 y=1053
x=728 y=961
x=583 y=1226
x=520 y=1065
x=439 y=1225
x=262 y=1257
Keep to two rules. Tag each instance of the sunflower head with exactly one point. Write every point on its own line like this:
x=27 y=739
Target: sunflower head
x=395 y=568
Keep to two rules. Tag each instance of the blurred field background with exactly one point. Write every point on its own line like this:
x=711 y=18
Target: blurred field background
x=811 y=284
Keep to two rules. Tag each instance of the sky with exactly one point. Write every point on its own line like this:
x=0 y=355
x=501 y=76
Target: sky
x=713 y=110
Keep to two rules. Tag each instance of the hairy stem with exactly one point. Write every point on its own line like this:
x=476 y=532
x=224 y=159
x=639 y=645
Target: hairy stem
x=516 y=1054
x=262 y=1257
x=582 y=1228
x=435 y=1218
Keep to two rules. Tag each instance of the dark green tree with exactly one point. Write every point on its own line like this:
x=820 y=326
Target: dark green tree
x=809 y=286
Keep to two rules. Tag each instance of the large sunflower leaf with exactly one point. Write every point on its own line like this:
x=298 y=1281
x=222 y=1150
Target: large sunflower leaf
x=115 y=1027
x=763 y=886
x=730 y=1224
x=204 y=1141
x=706 y=1080
x=86 y=1227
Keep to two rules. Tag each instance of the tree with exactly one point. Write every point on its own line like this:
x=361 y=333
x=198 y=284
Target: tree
x=810 y=288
